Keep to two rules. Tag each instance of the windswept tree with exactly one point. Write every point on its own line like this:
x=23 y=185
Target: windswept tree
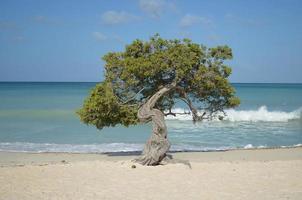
x=143 y=82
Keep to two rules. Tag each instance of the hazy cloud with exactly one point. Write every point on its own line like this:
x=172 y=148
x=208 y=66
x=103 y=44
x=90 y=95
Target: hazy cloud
x=213 y=37
x=186 y=34
x=99 y=36
x=155 y=8
x=118 y=38
x=102 y=37
x=189 y=20
x=7 y=25
x=19 y=38
x=45 y=20
x=40 y=18
x=242 y=21
x=115 y=17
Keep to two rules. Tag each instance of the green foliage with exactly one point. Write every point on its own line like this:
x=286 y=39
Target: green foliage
x=132 y=76
x=102 y=109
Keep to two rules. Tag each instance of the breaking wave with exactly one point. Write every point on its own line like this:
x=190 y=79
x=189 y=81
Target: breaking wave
x=261 y=114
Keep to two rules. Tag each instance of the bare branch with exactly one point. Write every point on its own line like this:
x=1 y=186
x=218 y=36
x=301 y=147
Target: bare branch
x=174 y=114
x=133 y=97
x=194 y=111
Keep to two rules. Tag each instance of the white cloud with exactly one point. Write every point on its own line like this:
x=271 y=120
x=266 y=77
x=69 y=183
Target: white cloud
x=152 y=7
x=190 y=20
x=115 y=17
x=99 y=36
x=155 y=8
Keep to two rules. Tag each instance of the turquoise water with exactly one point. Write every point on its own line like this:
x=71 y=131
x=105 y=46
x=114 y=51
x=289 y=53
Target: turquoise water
x=40 y=117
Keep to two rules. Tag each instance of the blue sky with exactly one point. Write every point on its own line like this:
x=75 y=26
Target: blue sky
x=62 y=40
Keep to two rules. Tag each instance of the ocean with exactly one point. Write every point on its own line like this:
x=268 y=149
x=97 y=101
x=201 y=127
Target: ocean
x=40 y=117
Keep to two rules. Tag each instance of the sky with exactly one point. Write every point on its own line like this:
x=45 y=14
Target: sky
x=64 y=40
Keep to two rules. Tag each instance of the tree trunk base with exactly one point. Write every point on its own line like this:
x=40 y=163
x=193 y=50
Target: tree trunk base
x=157 y=146
x=167 y=159
x=154 y=151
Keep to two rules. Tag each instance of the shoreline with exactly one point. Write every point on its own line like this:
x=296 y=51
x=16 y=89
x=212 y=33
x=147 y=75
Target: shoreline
x=137 y=152
x=252 y=154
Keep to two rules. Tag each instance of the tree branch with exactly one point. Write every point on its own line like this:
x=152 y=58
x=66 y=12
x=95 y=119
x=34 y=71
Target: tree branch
x=145 y=109
x=133 y=97
x=174 y=114
x=187 y=100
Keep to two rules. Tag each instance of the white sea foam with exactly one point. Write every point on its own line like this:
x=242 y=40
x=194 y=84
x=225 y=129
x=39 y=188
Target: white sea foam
x=261 y=114
x=113 y=147
x=74 y=148
x=248 y=146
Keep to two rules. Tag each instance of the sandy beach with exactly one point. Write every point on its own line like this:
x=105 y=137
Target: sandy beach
x=239 y=174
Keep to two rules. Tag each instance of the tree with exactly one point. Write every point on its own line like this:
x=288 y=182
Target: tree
x=143 y=82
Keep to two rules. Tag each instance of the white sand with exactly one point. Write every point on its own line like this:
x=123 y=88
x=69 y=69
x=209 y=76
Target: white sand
x=252 y=174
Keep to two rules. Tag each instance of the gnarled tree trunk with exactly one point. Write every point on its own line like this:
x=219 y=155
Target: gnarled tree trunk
x=156 y=147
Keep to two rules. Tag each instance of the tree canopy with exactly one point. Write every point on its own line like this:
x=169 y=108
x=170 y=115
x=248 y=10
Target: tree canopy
x=198 y=76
